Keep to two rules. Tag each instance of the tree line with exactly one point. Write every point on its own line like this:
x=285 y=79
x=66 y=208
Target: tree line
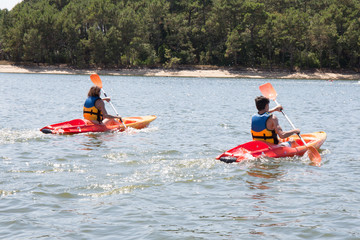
x=290 y=34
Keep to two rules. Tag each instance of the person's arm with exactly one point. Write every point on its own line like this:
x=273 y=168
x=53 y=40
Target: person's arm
x=280 y=132
x=277 y=108
x=99 y=104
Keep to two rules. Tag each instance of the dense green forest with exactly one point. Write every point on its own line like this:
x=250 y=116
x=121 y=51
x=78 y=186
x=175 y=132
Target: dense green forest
x=270 y=34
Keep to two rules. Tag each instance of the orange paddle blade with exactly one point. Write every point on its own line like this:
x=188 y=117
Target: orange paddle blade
x=96 y=80
x=314 y=156
x=268 y=91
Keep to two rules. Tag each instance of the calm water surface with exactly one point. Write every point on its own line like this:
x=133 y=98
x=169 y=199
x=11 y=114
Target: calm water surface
x=163 y=182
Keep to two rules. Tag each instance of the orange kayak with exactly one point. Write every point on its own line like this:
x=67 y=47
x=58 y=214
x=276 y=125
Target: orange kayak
x=256 y=149
x=84 y=126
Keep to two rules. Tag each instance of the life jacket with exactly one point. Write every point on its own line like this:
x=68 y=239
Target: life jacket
x=90 y=111
x=259 y=130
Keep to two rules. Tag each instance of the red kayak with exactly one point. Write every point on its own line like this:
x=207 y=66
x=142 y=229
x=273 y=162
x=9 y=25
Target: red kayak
x=84 y=126
x=257 y=149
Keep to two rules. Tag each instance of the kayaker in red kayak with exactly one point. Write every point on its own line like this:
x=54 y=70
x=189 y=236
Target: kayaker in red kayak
x=265 y=126
x=94 y=108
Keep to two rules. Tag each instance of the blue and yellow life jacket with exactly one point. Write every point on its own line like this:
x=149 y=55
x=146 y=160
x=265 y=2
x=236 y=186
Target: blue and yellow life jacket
x=259 y=130
x=90 y=111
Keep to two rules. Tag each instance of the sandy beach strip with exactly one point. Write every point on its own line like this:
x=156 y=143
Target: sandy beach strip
x=195 y=72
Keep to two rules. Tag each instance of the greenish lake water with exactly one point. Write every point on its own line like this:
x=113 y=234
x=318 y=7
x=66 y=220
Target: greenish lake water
x=163 y=182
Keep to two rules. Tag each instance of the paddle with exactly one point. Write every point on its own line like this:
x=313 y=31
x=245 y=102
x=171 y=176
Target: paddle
x=268 y=91
x=97 y=81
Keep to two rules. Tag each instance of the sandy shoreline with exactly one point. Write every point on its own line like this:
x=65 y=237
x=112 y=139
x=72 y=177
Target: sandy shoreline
x=197 y=72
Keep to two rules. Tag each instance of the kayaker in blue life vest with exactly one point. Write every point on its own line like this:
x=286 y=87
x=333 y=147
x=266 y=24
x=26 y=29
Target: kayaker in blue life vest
x=94 y=108
x=265 y=126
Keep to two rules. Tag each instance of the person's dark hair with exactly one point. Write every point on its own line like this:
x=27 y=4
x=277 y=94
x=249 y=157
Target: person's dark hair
x=94 y=91
x=261 y=102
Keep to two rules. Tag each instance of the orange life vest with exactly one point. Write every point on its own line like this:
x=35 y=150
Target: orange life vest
x=90 y=111
x=259 y=130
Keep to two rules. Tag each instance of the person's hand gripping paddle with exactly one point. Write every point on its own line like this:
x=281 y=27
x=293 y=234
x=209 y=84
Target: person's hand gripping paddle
x=97 y=81
x=268 y=91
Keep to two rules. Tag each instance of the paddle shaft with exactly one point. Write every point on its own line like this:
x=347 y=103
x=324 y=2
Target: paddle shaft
x=291 y=123
x=117 y=114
